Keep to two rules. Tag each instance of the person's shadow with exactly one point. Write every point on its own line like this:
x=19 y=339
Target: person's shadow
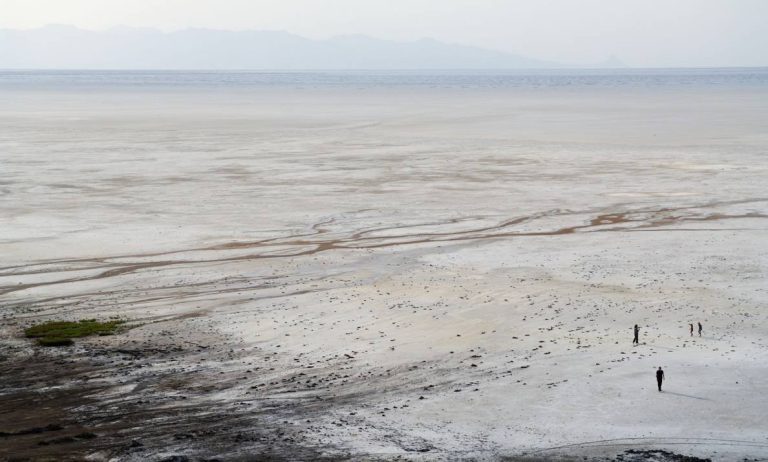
x=684 y=395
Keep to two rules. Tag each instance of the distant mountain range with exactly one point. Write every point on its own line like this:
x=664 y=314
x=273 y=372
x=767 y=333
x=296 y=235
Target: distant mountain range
x=67 y=47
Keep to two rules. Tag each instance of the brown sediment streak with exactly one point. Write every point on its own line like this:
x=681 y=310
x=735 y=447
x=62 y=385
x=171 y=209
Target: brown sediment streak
x=361 y=239
x=244 y=245
x=610 y=218
x=104 y=260
x=164 y=292
x=361 y=233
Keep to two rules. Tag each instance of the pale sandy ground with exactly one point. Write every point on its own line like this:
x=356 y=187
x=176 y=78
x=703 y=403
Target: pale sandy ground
x=387 y=274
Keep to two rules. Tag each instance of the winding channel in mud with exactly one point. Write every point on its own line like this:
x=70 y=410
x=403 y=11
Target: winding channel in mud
x=314 y=242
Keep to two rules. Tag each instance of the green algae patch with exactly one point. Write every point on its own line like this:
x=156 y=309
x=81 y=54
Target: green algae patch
x=61 y=333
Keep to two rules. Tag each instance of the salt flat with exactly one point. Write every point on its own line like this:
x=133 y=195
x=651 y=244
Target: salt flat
x=386 y=272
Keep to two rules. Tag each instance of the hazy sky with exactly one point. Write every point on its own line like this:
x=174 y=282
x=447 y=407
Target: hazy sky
x=640 y=32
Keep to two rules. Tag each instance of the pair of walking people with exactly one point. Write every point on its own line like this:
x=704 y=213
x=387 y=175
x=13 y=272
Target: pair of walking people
x=700 y=328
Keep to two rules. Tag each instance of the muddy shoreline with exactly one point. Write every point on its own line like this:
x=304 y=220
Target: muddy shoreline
x=138 y=403
x=65 y=406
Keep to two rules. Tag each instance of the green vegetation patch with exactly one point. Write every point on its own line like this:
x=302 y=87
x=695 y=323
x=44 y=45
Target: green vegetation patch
x=61 y=333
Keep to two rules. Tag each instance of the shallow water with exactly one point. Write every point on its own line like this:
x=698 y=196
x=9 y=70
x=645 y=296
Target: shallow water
x=529 y=79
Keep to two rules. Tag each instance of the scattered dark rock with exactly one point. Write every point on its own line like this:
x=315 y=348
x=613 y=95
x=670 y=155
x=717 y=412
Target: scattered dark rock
x=63 y=440
x=32 y=431
x=176 y=459
x=656 y=455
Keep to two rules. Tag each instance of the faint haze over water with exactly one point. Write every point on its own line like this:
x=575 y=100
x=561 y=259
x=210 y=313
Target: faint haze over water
x=602 y=78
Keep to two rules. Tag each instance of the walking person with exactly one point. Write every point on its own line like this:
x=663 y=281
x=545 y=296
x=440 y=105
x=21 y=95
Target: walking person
x=659 y=377
x=636 y=340
x=691 y=329
x=700 y=329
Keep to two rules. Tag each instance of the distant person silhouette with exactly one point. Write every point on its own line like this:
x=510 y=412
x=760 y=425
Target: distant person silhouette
x=691 y=329
x=659 y=377
x=700 y=329
x=637 y=335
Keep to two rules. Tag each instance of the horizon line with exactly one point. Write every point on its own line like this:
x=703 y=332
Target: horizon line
x=438 y=69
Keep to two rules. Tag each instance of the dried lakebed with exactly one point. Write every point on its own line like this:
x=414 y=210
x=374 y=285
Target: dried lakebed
x=385 y=274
